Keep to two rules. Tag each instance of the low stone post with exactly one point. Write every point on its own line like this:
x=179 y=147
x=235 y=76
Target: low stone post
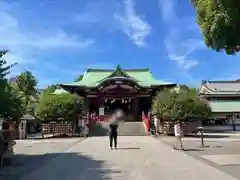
x=157 y=124
x=22 y=129
x=233 y=123
x=201 y=135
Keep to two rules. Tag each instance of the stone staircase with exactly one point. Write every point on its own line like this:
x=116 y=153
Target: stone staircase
x=125 y=129
x=131 y=129
x=100 y=129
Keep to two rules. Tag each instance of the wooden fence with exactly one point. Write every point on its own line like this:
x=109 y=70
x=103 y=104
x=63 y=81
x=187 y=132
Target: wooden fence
x=56 y=128
x=189 y=127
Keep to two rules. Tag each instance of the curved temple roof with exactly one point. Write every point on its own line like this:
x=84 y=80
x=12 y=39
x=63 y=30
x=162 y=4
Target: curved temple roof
x=94 y=77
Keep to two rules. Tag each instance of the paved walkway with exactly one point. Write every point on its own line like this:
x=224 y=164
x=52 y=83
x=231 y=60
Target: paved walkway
x=138 y=158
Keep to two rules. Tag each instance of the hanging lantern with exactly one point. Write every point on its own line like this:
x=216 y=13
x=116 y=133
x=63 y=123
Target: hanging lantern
x=122 y=100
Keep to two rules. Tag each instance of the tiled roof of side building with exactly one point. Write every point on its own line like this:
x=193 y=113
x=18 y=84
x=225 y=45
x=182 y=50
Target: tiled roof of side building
x=223 y=86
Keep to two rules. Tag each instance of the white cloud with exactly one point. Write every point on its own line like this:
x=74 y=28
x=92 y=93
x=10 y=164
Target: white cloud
x=99 y=12
x=179 y=47
x=23 y=44
x=115 y=16
x=18 y=58
x=133 y=25
x=181 y=60
x=68 y=74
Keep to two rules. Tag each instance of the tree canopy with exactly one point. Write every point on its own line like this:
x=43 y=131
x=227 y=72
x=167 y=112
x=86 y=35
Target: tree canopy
x=181 y=104
x=53 y=107
x=219 y=21
x=26 y=85
x=11 y=104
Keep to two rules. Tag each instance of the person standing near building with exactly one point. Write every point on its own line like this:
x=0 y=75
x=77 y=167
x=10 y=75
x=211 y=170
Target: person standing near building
x=113 y=126
x=178 y=134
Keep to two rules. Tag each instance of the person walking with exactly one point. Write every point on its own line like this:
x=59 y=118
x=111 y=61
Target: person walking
x=178 y=134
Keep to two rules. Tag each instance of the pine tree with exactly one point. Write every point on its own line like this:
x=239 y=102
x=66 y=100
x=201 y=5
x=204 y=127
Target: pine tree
x=10 y=104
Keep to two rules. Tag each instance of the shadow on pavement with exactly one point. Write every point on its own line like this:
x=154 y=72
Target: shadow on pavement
x=77 y=165
x=193 y=149
x=208 y=136
x=129 y=148
x=51 y=136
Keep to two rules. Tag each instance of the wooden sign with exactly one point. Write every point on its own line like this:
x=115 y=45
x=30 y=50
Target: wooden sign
x=101 y=111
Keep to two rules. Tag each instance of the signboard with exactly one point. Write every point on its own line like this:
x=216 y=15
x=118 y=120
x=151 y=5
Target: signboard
x=101 y=111
x=118 y=82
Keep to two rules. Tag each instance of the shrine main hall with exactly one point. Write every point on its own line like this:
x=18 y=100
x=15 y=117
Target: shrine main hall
x=106 y=90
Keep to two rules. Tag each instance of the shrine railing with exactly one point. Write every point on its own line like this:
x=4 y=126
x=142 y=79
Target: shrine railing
x=102 y=118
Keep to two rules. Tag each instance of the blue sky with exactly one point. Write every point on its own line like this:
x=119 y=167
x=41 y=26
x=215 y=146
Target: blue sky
x=58 y=40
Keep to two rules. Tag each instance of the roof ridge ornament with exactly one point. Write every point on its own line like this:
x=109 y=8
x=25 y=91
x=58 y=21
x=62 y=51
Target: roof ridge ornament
x=118 y=71
x=118 y=67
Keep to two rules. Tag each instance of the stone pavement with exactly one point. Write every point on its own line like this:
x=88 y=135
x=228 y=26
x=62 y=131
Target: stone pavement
x=32 y=154
x=224 y=159
x=138 y=158
x=220 y=153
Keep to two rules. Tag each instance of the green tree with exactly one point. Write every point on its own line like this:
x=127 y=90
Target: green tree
x=50 y=89
x=15 y=104
x=219 y=21
x=11 y=104
x=26 y=84
x=53 y=107
x=179 y=105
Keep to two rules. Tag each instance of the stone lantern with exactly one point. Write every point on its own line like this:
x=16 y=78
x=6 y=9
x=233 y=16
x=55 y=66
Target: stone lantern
x=1 y=122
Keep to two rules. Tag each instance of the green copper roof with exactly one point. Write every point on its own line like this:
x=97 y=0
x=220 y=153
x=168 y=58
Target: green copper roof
x=143 y=77
x=225 y=106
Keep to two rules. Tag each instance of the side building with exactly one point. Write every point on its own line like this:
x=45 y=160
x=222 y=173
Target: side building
x=224 y=99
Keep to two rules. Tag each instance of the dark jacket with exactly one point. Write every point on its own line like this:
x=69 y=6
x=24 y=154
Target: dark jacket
x=113 y=129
